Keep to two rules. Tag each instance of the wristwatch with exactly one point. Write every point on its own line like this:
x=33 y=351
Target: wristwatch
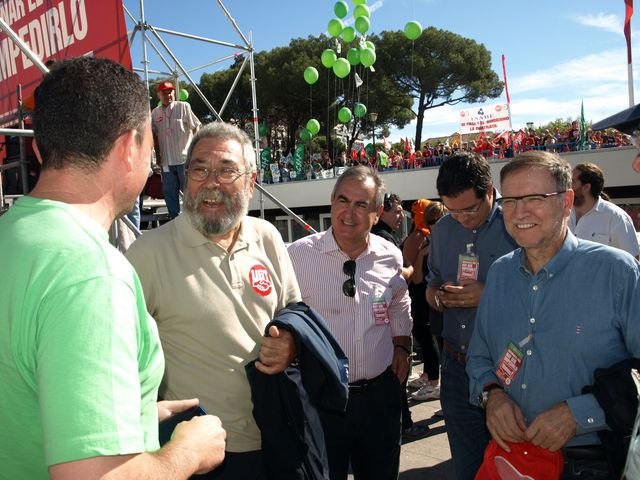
x=483 y=397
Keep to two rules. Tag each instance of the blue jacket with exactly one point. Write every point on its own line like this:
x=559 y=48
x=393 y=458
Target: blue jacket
x=285 y=406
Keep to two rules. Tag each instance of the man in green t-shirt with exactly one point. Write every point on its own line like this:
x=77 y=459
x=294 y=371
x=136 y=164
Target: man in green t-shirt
x=80 y=358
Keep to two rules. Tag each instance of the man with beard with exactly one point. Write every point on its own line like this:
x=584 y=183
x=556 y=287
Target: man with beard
x=213 y=279
x=593 y=217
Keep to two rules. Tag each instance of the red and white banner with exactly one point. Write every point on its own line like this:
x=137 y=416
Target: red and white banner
x=487 y=117
x=56 y=29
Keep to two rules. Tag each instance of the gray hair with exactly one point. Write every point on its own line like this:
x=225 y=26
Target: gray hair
x=362 y=173
x=225 y=131
x=559 y=169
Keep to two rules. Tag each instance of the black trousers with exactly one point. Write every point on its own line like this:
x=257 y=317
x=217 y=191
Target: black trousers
x=245 y=466
x=368 y=434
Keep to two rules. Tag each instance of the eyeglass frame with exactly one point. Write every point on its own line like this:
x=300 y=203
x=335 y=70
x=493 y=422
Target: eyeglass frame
x=526 y=199
x=224 y=181
x=472 y=210
x=349 y=285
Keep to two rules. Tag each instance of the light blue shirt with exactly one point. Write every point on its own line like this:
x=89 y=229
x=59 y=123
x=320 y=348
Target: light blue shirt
x=580 y=312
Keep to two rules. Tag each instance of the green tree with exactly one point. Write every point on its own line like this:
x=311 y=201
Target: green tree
x=439 y=68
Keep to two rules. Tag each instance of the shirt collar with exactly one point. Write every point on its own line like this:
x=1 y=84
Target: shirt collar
x=191 y=237
x=330 y=245
x=559 y=261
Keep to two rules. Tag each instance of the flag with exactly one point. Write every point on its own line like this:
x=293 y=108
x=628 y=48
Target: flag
x=298 y=159
x=504 y=135
x=627 y=27
x=383 y=159
x=265 y=157
x=504 y=75
x=387 y=145
x=583 y=125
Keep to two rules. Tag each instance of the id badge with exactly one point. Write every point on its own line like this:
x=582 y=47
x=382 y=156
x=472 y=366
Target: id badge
x=510 y=364
x=380 y=313
x=468 y=265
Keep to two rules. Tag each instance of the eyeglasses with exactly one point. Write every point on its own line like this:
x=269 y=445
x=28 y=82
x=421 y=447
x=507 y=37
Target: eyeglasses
x=223 y=175
x=349 y=286
x=529 y=201
x=467 y=211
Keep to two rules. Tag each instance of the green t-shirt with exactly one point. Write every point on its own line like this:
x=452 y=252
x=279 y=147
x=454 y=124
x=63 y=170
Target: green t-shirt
x=80 y=359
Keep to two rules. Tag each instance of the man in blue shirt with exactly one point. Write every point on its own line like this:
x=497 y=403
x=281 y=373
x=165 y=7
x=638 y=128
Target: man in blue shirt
x=552 y=312
x=464 y=245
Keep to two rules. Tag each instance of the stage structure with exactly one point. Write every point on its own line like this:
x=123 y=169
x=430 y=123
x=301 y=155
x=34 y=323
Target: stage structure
x=149 y=35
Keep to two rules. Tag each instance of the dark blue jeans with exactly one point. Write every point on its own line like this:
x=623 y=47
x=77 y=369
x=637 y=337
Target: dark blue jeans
x=172 y=183
x=586 y=469
x=466 y=427
x=368 y=435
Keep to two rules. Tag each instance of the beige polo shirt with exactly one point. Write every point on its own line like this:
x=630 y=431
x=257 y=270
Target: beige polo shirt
x=212 y=307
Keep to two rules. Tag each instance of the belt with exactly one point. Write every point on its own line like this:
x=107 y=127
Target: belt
x=457 y=355
x=593 y=452
x=362 y=386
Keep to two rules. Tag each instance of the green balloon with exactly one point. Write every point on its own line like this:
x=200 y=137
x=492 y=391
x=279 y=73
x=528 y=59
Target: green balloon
x=359 y=2
x=184 y=95
x=328 y=58
x=367 y=57
x=310 y=75
x=335 y=27
x=361 y=11
x=362 y=24
x=313 y=126
x=370 y=45
x=341 y=9
x=263 y=130
x=353 y=56
x=341 y=68
x=348 y=34
x=344 y=115
x=305 y=135
x=413 y=30
x=360 y=110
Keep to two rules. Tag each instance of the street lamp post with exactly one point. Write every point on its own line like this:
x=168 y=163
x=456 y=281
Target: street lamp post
x=373 y=116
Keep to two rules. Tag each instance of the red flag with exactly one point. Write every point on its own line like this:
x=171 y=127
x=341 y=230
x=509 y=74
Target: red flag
x=627 y=27
x=504 y=75
x=407 y=147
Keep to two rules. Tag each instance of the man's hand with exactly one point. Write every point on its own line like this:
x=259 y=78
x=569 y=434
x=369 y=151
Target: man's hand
x=553 y=428
x=168 y=408
x=400 y=364
x=504 y=419
x=465 y=295
x=204 y=437
x=276 y=352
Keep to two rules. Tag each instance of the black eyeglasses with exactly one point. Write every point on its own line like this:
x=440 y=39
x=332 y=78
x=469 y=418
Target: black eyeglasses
x=529 y=201
x=349 y=286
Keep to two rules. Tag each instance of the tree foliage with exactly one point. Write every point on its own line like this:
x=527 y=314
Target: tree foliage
x=439 y=68
x=408 y=79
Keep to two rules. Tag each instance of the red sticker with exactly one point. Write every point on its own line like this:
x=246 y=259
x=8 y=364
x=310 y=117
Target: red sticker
x=260 y=280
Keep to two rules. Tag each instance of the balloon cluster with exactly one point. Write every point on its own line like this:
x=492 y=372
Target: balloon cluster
x=359 y=51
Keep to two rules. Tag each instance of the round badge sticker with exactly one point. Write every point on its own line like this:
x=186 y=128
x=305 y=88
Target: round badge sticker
x=260 y=280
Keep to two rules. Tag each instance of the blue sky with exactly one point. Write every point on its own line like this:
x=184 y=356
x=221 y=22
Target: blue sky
x=557 y=53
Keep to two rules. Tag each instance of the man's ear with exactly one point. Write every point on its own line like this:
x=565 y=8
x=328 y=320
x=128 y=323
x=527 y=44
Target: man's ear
x=36 y=150
x=125 y=148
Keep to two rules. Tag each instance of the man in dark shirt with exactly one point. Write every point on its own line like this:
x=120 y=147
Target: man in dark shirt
x=463 y=247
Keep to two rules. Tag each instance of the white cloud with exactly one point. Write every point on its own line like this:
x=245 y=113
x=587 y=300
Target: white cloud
x=608 y=22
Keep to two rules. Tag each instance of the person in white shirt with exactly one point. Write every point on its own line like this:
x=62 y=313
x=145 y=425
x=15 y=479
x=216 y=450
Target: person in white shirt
x=595 y=218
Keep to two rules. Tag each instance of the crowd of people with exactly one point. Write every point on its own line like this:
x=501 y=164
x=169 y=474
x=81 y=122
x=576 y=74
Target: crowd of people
x=301 y=354
x=492 y=147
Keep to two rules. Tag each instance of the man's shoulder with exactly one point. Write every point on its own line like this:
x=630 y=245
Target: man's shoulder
x=152 y=240
x=260 y=227
x=305 y=244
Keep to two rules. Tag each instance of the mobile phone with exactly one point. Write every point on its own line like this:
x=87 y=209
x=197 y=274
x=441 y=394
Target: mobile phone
x=166 y=427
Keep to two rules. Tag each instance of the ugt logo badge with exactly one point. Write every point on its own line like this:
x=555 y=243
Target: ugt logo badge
x=260 y=280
